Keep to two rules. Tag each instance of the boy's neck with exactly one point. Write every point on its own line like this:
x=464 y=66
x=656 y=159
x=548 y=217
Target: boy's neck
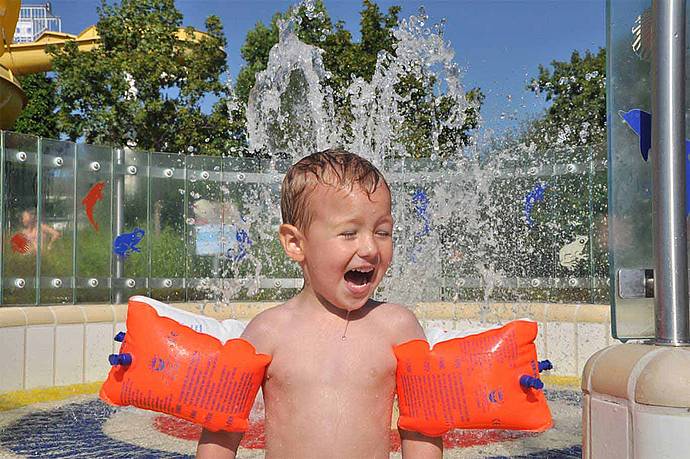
x=309 y=299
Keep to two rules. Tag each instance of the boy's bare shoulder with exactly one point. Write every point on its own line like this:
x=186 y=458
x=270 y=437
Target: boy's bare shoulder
x=399 y=321
x=262 y=329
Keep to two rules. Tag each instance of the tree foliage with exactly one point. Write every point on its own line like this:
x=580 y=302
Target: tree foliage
x=144 y=87
x=38 y=117
x=577 y=90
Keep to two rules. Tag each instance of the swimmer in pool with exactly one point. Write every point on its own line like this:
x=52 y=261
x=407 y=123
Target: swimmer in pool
x=328 y=392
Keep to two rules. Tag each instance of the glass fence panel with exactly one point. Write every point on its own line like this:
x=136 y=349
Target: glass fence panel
x=20 y=241
x=416 y=233
x=254 y=257
x=598 y=183
x=205 y=245
x=93 y=237
x=266 y=222
x=496 y=227
x=57 y=225
x=630 y=176
x=571 y=229
x=513 y=232
x=167 y=226
x=131 y=246
x=521 y=198
x=549 y=230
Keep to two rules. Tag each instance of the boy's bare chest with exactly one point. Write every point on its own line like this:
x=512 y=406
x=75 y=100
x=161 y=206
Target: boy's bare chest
x=329 y=361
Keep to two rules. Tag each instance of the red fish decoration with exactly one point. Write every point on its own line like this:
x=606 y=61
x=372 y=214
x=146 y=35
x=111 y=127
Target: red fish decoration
x=94 y=195
x=20 y=243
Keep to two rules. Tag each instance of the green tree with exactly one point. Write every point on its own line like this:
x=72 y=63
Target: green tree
x=145 y=86
x=345 y=59
x=39 y=116
x=577 y=90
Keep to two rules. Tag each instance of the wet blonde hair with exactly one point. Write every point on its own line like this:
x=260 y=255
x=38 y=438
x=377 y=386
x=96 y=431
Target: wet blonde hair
x=335 y=167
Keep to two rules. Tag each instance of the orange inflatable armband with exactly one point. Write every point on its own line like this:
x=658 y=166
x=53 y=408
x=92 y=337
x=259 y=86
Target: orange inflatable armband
x=489 y=380
x=168 y=367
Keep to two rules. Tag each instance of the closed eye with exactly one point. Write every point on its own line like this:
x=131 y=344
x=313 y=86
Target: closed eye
x=348 y=234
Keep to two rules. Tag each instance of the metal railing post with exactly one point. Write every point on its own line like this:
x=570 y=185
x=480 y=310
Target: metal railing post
x=668 y=162
x=39 y=218
x=119 y=178
x=75 y=223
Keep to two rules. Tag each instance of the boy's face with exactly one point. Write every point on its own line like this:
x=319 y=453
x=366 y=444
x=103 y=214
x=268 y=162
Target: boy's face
x=348 y=246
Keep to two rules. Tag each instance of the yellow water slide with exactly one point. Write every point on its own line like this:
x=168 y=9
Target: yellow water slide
x=12 y=98
x=25 y=58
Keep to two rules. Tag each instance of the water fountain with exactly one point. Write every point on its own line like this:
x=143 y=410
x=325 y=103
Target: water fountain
x=463 y=228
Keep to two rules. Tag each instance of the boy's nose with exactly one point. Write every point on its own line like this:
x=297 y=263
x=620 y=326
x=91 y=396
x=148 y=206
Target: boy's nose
x=367 y=247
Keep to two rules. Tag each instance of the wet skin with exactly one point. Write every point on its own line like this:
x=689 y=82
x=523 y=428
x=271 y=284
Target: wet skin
x=325 y=395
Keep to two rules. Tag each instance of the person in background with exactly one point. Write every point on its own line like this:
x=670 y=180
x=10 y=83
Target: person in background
x=30 y=232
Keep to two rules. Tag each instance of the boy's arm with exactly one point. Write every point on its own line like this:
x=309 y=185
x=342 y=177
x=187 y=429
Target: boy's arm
x=414 y=444
x=223 y=445
x=418 y=446
x=218 y=445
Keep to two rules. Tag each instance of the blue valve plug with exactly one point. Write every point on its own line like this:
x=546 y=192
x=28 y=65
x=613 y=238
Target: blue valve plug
x=528 y=382
x=545 y=365
x=120 y=359
x=120 y=337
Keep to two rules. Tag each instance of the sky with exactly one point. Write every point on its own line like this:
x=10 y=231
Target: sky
x=499 y=44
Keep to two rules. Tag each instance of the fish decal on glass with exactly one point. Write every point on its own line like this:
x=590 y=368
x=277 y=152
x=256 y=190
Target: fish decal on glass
x=421 y=205
x=534 y=196
x=239 y=251
x=641 y=123
x=94 y=195
x=20 y=243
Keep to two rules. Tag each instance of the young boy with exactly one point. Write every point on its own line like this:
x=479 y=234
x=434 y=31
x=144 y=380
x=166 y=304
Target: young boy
x=329 y=390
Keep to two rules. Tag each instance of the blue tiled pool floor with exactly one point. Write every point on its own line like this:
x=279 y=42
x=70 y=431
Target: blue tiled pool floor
x=85 y=427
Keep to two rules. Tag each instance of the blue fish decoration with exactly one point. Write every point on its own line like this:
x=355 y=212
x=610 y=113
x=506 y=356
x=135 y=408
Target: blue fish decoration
x=126 y=243
x=243 y=242
x=421 y=205
x=534 y=196
x=641 y=123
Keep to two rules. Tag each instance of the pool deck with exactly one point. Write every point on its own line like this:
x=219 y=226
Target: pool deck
x=71 y=422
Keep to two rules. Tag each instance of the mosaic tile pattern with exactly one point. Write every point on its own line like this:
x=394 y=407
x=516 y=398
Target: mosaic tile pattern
x=88 y=428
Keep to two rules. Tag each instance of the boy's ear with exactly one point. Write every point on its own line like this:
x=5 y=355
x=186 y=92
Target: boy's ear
x=292 y=241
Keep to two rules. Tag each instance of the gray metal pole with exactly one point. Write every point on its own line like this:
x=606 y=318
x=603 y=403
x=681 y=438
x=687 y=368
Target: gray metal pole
x=119 y=178
x=668 y=160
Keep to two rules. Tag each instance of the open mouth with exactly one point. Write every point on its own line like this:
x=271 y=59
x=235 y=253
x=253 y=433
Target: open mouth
x=359 y=277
